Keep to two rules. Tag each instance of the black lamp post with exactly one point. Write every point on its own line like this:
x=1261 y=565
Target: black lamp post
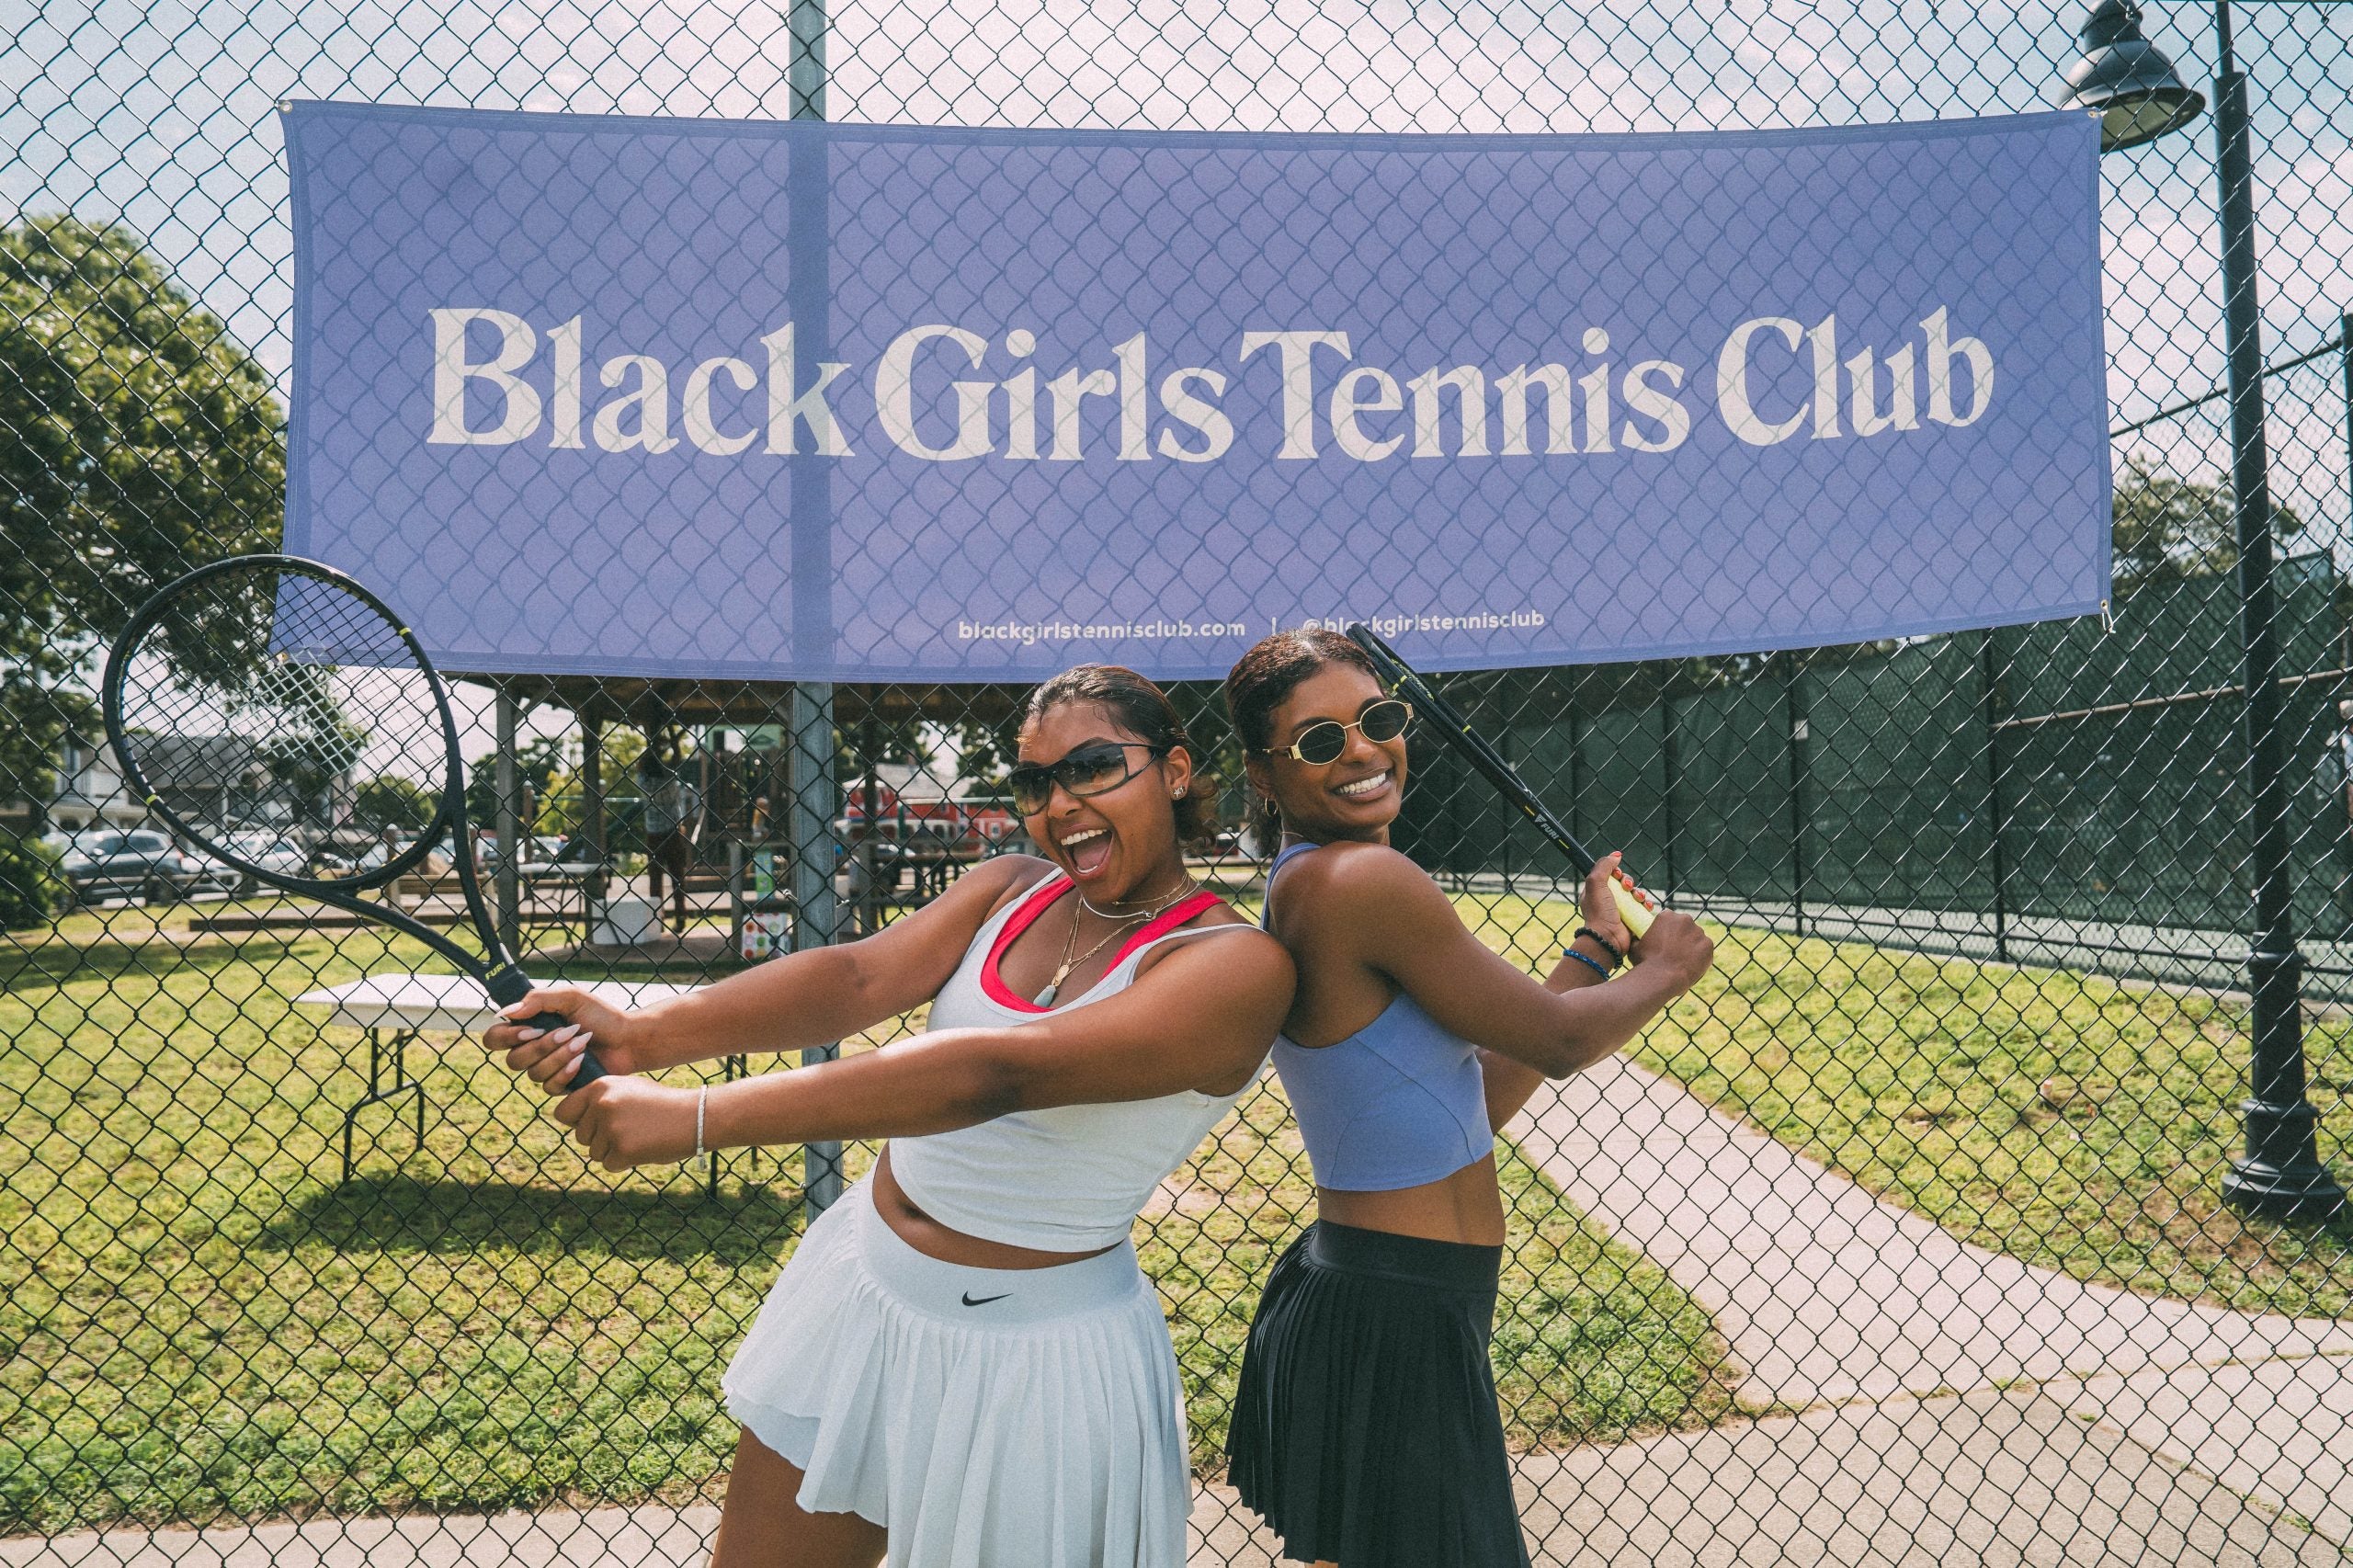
x=2139 y=98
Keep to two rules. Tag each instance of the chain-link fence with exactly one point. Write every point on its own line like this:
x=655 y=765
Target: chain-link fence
x=1902 y=1239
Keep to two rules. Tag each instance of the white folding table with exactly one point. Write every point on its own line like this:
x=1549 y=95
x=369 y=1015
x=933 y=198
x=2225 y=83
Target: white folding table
x=395 y=1009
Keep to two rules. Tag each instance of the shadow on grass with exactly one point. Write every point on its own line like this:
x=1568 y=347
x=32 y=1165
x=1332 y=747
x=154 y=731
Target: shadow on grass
x=56 y=960
x=573 y=970
x=395 y=1214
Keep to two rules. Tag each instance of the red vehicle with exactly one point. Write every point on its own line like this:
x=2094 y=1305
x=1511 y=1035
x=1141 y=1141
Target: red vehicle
x=925 y=823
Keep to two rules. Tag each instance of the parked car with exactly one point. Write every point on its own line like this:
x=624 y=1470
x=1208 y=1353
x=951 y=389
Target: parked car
x=377 y=857
x=68 y=846
x=271 y=852
x=535 y=852
x=146 y=866
x=328 y=866
x=575 y=850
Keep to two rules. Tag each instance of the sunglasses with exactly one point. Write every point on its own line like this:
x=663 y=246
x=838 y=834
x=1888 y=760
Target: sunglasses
x=1324 y=739
x=1095 y=768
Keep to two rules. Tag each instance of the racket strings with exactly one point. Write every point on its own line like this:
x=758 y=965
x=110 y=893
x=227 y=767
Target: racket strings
x=266 y=709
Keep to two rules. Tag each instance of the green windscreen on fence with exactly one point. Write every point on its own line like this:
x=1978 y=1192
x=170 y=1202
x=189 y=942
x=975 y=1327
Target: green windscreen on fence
x=2107 y=757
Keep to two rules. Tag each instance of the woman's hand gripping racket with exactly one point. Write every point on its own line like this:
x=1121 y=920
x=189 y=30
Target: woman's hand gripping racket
x=242 y=697
x=1636 y=907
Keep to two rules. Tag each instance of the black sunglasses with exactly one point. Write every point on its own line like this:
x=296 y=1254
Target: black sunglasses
x=1093 y=769
x=1324 y=739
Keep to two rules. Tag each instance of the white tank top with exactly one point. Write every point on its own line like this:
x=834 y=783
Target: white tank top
x=1069 y=1179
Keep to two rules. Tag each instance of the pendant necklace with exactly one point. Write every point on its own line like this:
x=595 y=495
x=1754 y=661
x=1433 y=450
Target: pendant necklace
x=1053 y=987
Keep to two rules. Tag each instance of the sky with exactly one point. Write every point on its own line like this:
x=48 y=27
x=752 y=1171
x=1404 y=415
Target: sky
x=162 y=116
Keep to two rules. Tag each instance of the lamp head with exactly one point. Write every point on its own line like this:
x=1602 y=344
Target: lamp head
x=2138 y=93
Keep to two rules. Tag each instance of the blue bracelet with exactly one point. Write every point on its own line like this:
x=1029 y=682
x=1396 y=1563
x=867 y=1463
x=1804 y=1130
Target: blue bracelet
x=1589 y=963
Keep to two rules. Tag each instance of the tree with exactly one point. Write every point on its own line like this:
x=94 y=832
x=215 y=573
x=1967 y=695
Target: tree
x=536 y=762
x=987 y=750
x=390 y=801
x=137 y=438
x=2168 y=530
x=562 y=803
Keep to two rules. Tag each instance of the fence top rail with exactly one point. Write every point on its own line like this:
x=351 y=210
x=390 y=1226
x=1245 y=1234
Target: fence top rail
x=2210 y=694
x=2333 y=345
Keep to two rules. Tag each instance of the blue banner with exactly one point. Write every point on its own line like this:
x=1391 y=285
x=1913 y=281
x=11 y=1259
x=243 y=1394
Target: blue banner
x=702 y=398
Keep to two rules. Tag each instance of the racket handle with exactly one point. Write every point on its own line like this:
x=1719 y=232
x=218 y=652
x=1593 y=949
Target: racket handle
x=1634 y=906
x=590 y=1070
x=509 y=985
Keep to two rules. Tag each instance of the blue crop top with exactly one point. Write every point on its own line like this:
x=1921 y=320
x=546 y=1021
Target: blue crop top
x=1396 y=1104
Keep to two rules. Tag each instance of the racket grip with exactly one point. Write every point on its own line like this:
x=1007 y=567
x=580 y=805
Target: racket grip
x=1634 y=905
x=590 y=1070
x=509 y=985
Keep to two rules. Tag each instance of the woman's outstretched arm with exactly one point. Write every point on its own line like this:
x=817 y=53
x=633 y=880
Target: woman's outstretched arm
x=1203 y=1015
x=1379 y=907
x=1509 y=1083
x=791 y=1003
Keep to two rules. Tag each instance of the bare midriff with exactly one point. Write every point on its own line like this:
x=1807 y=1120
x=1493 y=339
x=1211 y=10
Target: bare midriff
x=1466 y=1207
x=932 y=1239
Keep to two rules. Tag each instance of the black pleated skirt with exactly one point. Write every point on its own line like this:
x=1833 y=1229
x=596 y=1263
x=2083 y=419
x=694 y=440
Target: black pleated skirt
x=1365 y=1429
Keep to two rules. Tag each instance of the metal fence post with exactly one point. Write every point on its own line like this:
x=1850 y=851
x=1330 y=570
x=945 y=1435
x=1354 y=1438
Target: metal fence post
x=811 y=814
x=1577 y=765
x=1989 y=685
x=1794 y=734
x=1666 y=795
x=2341 y=813
x=508 y=824
x=815 y=913
x=2280 y=1175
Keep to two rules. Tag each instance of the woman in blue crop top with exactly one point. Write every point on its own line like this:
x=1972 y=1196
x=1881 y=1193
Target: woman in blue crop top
x=1366 y=1429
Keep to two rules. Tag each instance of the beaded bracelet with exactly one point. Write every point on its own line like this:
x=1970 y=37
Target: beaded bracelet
x=1616 y=954
x=1589 y=963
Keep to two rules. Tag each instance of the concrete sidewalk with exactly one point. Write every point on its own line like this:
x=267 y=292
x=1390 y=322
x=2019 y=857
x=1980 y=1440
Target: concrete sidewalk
x=1989 y=1478
x=1828 y=1295
x=1931 y=1402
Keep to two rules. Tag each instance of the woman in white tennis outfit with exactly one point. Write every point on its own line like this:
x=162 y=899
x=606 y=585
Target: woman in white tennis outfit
x=961 y=1364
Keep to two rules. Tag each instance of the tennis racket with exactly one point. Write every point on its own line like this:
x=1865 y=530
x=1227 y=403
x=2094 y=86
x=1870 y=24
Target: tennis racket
x=1634 y=906
x=242 y=697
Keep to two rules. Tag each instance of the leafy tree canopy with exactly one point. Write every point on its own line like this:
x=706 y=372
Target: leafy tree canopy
x=2167 y=530
x=559 y=804
x=137 y=438
x=536 y=761
x=390 y=801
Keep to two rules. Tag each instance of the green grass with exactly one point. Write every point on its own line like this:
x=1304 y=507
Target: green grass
x=1592 y=1341
x=2074 y=1121
x=196 y=1324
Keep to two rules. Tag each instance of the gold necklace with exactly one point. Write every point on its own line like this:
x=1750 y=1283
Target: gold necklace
x=1053 y=987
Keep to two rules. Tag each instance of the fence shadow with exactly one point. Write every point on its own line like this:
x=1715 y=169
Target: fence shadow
x=54 y=960
x=404 y=1215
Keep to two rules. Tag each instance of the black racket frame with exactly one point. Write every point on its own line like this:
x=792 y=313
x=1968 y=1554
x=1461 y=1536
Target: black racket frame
x=1473 y=748
x=500 y=975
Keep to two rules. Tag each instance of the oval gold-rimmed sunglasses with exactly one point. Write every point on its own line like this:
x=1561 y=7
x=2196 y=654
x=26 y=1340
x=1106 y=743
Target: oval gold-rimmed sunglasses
x=1324 y=739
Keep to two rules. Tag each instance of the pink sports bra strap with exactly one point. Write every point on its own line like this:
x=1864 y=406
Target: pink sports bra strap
x=1050 y=891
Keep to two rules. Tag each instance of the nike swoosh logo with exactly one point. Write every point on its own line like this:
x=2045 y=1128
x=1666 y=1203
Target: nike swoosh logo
x=984 y=1300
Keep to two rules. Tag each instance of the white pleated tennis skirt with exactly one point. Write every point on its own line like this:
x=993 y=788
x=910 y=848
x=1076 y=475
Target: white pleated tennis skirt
x=987 y=1417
